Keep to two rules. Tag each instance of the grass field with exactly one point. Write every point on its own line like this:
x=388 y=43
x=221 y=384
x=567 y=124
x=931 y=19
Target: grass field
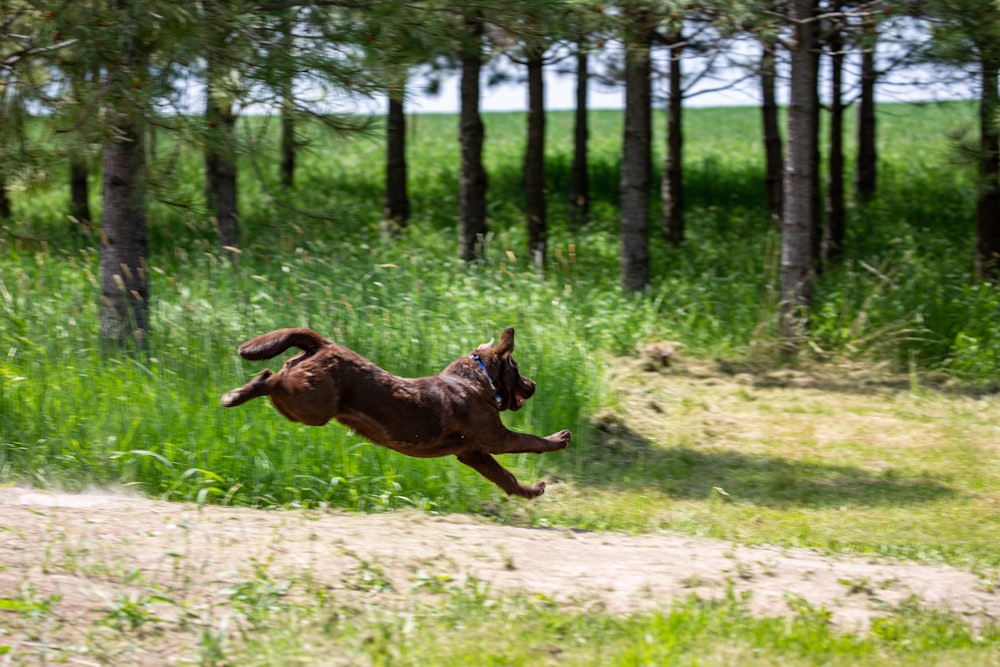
x=882 y=441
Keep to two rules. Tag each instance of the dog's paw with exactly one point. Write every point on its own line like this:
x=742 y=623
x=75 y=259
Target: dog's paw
x=231 y=398
x=533 y=491
x=562 y=438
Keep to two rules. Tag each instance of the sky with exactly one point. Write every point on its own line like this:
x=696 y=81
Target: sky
x=898 y=85
x=560 y=94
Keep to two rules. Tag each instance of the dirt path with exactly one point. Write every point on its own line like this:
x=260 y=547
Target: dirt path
x=88 y=548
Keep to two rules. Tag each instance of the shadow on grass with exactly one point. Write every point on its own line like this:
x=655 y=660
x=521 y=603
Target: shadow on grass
x=615 y=455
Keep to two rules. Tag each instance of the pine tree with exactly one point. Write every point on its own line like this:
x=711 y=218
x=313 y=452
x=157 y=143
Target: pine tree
x=967 y=32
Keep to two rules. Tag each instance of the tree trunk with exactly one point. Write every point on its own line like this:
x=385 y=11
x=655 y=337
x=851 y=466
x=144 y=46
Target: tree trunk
x=636 y=152
x=774 y=169
x=79 y=198
x=472 y=181
x=395 y=200
x=124 y=245
x=579 y=182
x=124 y=250
x=220 y=158
x=288 y=147
x=988 y=201
x=534 y=162
x=800 y=174
x=816 y=189
x=672 y=187
x=5 y=212
x=866 y=170
x=211 y=150
x=833 y=236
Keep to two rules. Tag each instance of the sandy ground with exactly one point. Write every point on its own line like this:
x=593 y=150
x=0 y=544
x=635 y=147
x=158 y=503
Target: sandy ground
x=87 y=548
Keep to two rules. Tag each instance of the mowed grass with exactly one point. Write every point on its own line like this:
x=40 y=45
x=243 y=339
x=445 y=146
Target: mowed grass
x=76 y=416
x=847 y=458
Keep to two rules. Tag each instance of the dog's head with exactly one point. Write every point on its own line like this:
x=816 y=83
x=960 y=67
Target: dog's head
x=512 y=389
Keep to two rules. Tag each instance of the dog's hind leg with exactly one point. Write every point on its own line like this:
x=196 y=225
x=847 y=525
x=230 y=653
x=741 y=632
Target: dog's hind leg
x=261 y=385
x=490 y=468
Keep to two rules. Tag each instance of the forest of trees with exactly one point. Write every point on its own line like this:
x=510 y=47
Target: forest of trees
x=108 y=69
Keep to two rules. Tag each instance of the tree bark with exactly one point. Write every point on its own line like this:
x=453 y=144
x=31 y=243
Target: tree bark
x=636 y=152
x=774 y=159
x=79 y=199
x=125 y=303
x=220 y=158
x=288 y=146
x=534 y=162
x=579 y=182
x=396 y=199
x=833 y=231
x=5 y=209
x=866 y=170
x=800 y=174
x=124 y=244
x=988 y=202
x=672 y=186
x=472 y=180
x=816 y=188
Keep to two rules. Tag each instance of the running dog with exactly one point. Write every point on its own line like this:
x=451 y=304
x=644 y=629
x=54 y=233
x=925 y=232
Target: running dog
x=455 y=412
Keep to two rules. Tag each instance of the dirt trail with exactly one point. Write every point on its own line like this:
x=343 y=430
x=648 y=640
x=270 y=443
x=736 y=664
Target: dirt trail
x=86 y=548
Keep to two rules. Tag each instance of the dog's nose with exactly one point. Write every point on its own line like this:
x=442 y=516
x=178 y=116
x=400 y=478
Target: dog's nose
x=527 y=387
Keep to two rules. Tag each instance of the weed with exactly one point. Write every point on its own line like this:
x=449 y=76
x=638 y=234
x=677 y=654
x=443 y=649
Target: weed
x=367 y=577
x=133 y=612
x=29 y=604
x=861 y=586
x=431 y=583
x=261 y=596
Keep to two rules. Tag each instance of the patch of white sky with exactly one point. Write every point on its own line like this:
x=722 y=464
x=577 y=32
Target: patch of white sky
x=729 y=82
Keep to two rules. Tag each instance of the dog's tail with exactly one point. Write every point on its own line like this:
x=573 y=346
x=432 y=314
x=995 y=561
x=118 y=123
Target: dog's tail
x=274 y=343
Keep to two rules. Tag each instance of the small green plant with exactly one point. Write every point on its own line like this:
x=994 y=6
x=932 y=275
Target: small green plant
x=132 y=612
x=366 y=577
x=862 y=586
x=261 y=596
x=29 y=604
x=431 y=583
x=212 y=643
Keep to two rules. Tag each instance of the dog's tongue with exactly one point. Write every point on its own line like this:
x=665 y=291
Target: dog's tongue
x=519 y=400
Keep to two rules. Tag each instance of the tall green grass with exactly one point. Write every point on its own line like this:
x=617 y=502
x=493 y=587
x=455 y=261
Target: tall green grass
x=74 y=415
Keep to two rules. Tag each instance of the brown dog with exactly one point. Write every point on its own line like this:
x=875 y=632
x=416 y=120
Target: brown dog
x=455 y=412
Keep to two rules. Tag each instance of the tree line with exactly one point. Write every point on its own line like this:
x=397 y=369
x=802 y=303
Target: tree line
x=108 y=70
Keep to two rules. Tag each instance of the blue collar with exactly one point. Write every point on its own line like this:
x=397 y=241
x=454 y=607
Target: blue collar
x=497 y=398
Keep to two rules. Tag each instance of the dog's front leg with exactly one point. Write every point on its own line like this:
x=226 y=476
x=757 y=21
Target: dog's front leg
x=525 y=443
x=490 y=468
x=260 y=385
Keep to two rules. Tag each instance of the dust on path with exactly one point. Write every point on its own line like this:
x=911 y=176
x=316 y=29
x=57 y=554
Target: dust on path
x=87 y=547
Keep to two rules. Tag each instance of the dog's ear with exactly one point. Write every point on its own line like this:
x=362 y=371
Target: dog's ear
x=486 y=347
x=506 y=345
